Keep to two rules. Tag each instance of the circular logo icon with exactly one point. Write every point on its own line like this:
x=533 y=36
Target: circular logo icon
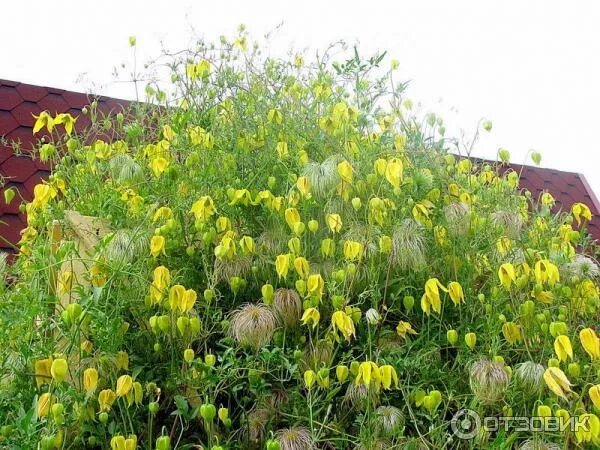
x=465 y=424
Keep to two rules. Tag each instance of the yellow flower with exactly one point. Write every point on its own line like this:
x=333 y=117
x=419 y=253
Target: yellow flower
x=353 y=250
x=302 y=267
x=341 y=373
x=368 y=372
x=311 y=317
x=282 y=149
x=176 y=294
x=42 y=371
x=594 y=393
x=404 y=328
x=588 y=429
x=345 y=171
x=120 y=443
x=388 y=375
x=309 y=378
x=315 y=285
x=161 y=279
x=44 y=403
x=122 y=360
x=43 y=120
x=247 y=245
x=162 y=213
x=327 y=248
x=226 y=249
x=456 y=293
x=557 y=381
x=545 y=271
x=506 y=274
x=282 y=265
x=59 y=369
x=563 y=348
x=223 y=224
x=303 y=186
x=65 y=119
x=292 y=217
x=106 y=398
x=511 y=332
x=421 y=212
x=157 y=245
x=90 y=380
x=393 y=172
x=471 y=340
x=503 y=245
x=334 y=222
x=580 y=210
x=203 y=208
x=342 y=322
x=590 y=342
x=431 y=297
x=188 y=301
x=158 y=166
x=124 y=385
x=42 y=193
x=547 y=199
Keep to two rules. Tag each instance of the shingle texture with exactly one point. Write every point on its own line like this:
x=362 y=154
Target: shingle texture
x=19 y=102
x=566 y=188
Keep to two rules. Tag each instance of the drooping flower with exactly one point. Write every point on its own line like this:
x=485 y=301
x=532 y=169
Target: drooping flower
x=388 y=376
x=545 y=271
x=563 y=347
x=282 y=265
x=203 y=208
x=393 y=172
x=579 y=211
x=311 y=317
x=42 y=371
x=511 y=332
x=59 y=369
x=342 y=322
x=124 y=385
x=404 y=328
x=334 y=222
x=456 y=293
x=431 y=297
x=590 y=342
x=106 y=398
x=157 y=245
x=315 y=285
x=506 y=274
x=557 y=381
x=345 y=171
x=90 y=380
x=353 y=250
x=594 y=393
x=302 y=267
x=44 y=404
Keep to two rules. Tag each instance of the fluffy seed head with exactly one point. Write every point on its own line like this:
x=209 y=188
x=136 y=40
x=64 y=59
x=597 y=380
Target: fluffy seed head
x=389 y=420
x=288 y=307
x=408 y=245
x=530 y=377
x=488 y=381
x=252 y=325
x=295 y=438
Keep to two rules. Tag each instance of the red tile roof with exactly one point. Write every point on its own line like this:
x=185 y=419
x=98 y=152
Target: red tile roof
x=18 y=101
x=566 y=188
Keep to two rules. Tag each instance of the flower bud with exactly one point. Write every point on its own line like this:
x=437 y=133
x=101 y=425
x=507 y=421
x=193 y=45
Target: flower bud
x=208 y=411
x=188 y=355
x=452 y=336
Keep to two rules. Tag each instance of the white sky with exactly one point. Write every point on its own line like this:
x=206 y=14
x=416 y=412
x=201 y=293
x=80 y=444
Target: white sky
x=530 y=66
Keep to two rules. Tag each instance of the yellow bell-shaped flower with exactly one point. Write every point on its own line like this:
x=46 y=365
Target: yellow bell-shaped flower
x=334 y=222
x=90 y=380
x=393 y=172
x=124 y=385
x=302 y=267
x=506 y=274
x=590 y=342
x=579 y=211
x=563 y=347
x=342 y=322
x=456 y=293
x=345 y=171
x=311 y=317
x=106 y=398
x=594 y=393
x=315 y=285
x=157 y=245
x=282 y=265
x=557 y=381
